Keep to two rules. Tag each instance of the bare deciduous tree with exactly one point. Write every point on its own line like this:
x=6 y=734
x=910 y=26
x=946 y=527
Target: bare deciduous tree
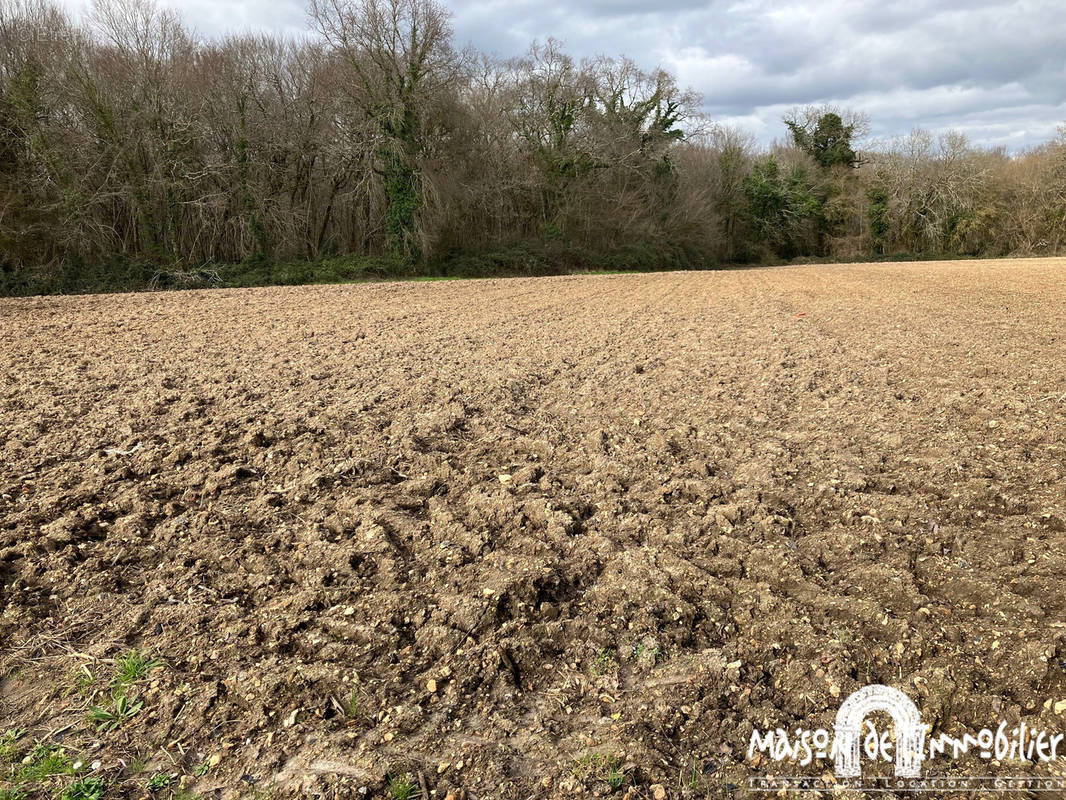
x=130 y=148
x=405 y=68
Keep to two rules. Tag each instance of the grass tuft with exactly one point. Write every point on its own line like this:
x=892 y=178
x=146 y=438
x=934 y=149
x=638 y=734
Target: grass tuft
x=9 y=748
x=401 y=787
x=132 y=667
x=44 y=761
x=601 y=767
x=158 y=782
x=85 y=789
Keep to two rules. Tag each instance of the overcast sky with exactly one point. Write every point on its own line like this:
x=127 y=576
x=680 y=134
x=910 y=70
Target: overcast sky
x=994 y=69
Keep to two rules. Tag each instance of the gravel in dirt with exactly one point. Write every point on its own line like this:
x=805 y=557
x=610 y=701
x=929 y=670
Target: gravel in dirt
x=530 y=537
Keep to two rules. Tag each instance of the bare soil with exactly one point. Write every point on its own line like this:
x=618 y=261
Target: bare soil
x=504 y=537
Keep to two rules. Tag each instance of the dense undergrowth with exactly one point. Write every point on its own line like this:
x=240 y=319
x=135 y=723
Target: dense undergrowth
x=526 y=259
x=523 y=259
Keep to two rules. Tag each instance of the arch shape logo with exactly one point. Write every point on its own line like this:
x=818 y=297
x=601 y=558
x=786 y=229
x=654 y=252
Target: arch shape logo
x=910 y=733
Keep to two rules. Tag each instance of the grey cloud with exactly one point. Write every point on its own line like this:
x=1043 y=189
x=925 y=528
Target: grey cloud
x=994 y=68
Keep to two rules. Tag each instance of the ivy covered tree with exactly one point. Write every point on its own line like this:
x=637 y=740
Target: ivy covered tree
x=824 y=135
x=785 y=212
x=405 y=70
x=877 y=212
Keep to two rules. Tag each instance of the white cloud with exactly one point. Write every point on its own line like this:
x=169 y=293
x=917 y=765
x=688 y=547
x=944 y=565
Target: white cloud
x=994 y=68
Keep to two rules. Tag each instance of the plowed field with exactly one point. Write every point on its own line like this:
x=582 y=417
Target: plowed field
x=528 y=537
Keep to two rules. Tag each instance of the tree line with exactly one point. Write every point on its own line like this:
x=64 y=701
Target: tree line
x=131 y=150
